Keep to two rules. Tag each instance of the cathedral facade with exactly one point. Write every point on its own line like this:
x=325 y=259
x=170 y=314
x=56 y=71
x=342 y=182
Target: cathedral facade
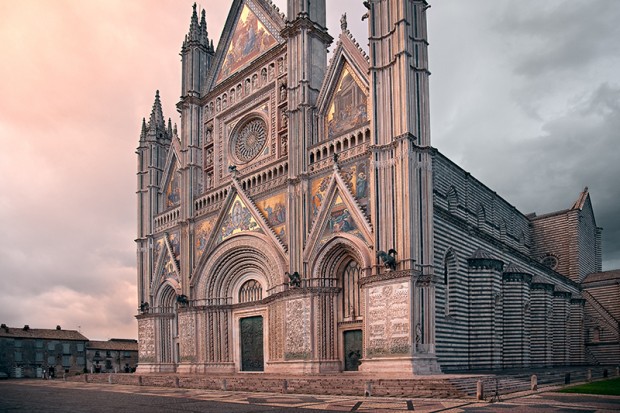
x=300 y=221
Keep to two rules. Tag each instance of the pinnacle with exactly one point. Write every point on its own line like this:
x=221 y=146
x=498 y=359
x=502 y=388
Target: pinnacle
x=157 y=117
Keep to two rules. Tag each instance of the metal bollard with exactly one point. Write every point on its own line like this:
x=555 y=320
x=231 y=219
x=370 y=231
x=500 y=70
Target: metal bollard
x=567 y=378
x=284 y=386
x=479 y=390
x=589 y=376
x=534 y=382
x=605 y=373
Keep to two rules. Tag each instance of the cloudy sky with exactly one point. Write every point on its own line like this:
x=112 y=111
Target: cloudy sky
x=525 y=95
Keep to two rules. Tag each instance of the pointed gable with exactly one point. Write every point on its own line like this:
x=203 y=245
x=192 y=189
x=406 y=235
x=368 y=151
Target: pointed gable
x=339 y=219
x=173 y=189
x=238 y=219
x=253 y=27
x=343 y=100
x=347 y=109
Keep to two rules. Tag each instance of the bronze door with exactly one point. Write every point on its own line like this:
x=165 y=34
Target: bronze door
x=252 y=344
x=352 y=350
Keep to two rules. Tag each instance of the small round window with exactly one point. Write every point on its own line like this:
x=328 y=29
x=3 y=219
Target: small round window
x=249 y=139
x=550 y=261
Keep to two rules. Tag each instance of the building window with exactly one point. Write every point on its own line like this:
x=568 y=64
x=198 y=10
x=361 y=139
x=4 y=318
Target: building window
x=127 y=354
x=18 y=356
x=66 y=348
x=39 y=357
x=80 y=347
x=51 y=360
x=108 y=353
x=351 y=291
x=250 y=291
x=38 y=344
x=66 y=361
x=550 y=261
x=18 y=344
x=51 y=346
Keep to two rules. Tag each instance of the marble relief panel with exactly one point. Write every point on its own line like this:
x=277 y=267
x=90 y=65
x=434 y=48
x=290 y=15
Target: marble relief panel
x=388 y=320
x=146 y=340
x=298 y=329
x=187 y=331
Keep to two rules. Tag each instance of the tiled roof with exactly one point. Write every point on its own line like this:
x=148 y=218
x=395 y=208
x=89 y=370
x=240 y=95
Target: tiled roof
x=114 y=345
x=481 y=254
x=537 y=279
x=514 y=269
x=41 y=333
x=613 y=275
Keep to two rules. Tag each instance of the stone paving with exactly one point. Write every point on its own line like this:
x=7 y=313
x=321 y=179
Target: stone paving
x=157 y=399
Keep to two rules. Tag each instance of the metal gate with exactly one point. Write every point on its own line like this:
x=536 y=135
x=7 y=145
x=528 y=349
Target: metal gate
x=252 y=358
x=352 y=350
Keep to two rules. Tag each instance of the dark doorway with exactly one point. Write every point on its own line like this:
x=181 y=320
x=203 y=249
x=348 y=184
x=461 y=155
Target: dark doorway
x=252 y=344
x=352 y=350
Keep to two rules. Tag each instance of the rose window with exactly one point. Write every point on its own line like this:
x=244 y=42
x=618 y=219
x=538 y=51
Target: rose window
x=249 y=140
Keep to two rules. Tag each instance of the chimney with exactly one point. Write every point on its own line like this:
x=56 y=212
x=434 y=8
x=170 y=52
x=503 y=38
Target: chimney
x=26 y=327
x=5 y=327
x=58 y=328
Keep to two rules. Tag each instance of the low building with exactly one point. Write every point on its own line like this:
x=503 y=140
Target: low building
x=113 y=356
x=27 y=352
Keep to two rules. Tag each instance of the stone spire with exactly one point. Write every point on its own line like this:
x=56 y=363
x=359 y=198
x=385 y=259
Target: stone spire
x=156 y=121
x=198 y=31
x=143 y=131
x=194 y=27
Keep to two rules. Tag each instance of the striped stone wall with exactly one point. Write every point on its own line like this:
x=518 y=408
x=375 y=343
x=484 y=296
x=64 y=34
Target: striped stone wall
x=517 y=319
x=560 y=316
x=542 y=323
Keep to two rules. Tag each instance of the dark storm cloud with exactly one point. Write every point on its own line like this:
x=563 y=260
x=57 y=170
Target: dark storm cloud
x=530 y=106
x=561 y=35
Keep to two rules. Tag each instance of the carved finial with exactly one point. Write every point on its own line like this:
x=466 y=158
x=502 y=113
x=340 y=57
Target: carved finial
x=343 y=22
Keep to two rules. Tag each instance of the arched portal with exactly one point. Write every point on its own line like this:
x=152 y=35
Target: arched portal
x=166 y=326
x=341 y=263
x=233 y=284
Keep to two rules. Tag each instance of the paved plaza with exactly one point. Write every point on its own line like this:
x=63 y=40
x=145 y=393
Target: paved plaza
x=60 y=396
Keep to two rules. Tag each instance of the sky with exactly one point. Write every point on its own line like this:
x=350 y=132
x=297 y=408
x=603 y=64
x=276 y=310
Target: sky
x=525 y=95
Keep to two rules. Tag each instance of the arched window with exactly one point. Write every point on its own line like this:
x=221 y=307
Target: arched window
x=351 y=291
x=453 y=200
x=251 y=290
